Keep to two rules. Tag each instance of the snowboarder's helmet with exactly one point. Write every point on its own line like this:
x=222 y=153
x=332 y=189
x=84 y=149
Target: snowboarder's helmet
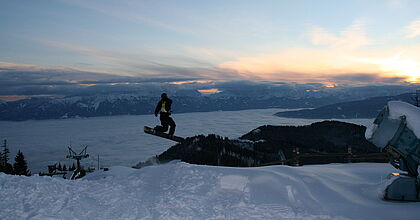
x=164 y=95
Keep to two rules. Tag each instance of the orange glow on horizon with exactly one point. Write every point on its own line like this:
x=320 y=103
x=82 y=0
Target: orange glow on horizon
x=189 y=81
x=332 y=66
x=209 y=91
x=12 y=98
x=405 y=66
x=330 y=85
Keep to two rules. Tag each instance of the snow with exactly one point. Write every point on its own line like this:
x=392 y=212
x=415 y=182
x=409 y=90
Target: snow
x=179 y=190
x=182 y=191
x=370 y=130
x=120 y=140
x=386 y=131
x=94 y=101
x=67 y=100
x=234 y=182
x=411 y=112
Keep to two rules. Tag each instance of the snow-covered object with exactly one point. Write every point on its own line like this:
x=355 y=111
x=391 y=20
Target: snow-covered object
x=381 y=134
x=183 y=191
x=411 y=112
x=370 y=130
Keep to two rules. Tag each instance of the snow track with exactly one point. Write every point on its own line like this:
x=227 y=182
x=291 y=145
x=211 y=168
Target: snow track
x=182 y=191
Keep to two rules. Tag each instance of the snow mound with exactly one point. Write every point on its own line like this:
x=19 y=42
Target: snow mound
x=411 y=112
x=380 y=135
x=183 y=191
x=115 y=171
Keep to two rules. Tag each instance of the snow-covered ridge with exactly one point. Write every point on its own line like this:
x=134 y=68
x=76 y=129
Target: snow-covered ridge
x=97 y=99
x=77 y=106
x=182 y=191
x=144 y=103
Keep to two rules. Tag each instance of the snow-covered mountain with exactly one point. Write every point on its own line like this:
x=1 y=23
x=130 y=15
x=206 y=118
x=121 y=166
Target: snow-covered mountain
x=366 y=108
x=138 y=99
x=182 y=191
x=135 y=104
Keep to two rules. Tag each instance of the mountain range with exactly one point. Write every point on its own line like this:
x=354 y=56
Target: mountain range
x=232 y=96
x=367 y=108
x=134 y=104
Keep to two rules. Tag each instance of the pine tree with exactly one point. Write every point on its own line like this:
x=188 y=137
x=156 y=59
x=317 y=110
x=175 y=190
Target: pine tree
x=1 y=162
x=5 y=153
x=64 y=168
x=8 y=169
x=20 y=166
x=416 y=98
x=73 y=167
x=5 y=166
x=1 y=159
x=59 y=168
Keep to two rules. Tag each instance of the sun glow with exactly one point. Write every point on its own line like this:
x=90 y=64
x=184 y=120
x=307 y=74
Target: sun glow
x=330 y=84
x=189 y=81
x=209 y=91
x=399 y=67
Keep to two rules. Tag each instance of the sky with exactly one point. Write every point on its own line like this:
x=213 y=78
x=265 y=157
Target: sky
x=352 y=42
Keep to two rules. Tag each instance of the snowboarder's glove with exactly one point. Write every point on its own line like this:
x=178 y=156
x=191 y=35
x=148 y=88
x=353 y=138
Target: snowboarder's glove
x=156 y=114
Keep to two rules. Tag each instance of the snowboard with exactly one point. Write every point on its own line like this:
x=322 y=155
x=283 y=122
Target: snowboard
x=152 y=131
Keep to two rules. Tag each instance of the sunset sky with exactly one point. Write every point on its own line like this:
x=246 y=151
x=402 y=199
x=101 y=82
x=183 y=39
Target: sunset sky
x=323 y=41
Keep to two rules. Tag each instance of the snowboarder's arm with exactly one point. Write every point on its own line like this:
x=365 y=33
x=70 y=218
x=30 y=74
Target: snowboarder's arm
x=158 y=107
x=169 y=105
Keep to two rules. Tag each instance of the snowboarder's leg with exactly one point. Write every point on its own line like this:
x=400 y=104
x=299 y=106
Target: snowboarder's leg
x=164 y=122
x=159 y=128
x=171 y=123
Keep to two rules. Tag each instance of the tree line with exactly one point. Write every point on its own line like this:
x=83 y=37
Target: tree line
x=268 y=144
x=19 y=167
x=60 y=167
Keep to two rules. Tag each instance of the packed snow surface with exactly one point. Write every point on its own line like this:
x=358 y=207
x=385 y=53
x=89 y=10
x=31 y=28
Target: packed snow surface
x=182 y=191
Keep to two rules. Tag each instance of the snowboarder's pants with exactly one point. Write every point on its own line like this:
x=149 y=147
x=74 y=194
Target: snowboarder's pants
x=166 y=121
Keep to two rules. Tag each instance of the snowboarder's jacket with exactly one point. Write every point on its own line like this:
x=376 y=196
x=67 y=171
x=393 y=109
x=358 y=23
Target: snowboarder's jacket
x=163 y=106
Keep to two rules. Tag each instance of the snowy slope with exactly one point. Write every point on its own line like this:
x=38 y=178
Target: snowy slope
x=182 y=191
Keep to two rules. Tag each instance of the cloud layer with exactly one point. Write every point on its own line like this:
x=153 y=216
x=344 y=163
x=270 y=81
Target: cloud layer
x=348 y=51
x=92 y=45
x=413 y=29
x=336 y=58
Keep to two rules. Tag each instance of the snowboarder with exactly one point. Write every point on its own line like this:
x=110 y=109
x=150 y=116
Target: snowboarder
x=164 y=109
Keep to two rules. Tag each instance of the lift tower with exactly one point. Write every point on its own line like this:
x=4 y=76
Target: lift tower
x=79 y=172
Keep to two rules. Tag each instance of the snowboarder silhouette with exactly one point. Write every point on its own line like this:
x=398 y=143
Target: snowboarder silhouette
x=164 y=109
